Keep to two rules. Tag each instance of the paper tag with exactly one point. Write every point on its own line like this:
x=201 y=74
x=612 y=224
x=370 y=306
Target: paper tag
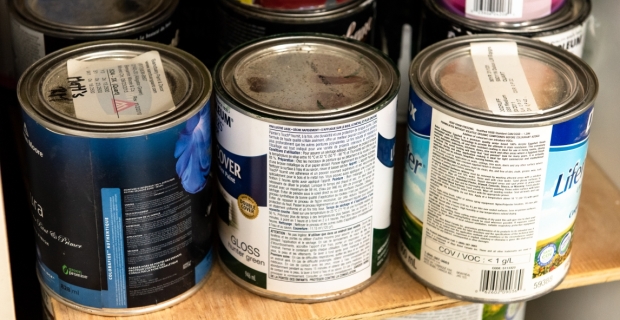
x=119 y=90
x=494 y=8
x=502 y=78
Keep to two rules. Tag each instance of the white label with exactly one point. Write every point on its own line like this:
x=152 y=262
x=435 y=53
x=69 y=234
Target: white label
x=571 y=40
x=502 y=78
x=119 y=90
x=326 y=193
x=494 y=8
x=481 y=226
x=29 y=46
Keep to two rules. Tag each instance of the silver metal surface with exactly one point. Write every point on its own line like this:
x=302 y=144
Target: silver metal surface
x=385 y=89
x=189 y=80
x=91 y=19
x=582 y=84
x=310 y=16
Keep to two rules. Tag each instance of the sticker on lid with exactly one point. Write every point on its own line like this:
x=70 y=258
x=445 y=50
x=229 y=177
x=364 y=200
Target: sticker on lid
x=502 y=78
x=119 y=90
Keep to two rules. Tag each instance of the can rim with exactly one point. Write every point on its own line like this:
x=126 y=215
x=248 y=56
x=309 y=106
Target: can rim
x=39 y=109
x=572 y=13
x=582 y=95
x=154 y=17
x=298 y=10
x=387 y=87
x=298 y=17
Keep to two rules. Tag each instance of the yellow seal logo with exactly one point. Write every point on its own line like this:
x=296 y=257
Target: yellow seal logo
x=247 y=206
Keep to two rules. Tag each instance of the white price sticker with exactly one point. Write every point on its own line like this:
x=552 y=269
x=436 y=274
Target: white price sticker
x=502 y=78
x=119 y=90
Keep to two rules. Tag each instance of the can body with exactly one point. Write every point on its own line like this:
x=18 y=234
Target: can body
x=121 y=215
x=241 y=23
x=565 y=28
x=33 y=38
x=490 y=206
x=304 y=204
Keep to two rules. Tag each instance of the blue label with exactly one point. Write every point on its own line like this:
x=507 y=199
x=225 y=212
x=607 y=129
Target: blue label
x=243 y=175
x=201 y=270
x=420 y=115
x=385 y=151
x=116 y=295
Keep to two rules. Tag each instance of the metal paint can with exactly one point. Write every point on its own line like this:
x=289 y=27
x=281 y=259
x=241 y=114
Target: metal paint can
x=565 y=28
x=492 y=182
x=41 y=27
x=294 y=5
x=473 y=311
x=120 y=191
x=305 y=135
x=239 y=23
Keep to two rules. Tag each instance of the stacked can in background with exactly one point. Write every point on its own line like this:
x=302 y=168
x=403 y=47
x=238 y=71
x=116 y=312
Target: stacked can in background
x=497 y=140
x=117 y=137
x=305 y=131
x=564 y=24
x=42 y=27
x=240 y=22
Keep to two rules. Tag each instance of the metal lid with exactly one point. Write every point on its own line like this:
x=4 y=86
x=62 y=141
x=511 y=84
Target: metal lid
x=295 y=5
x=305 y=76
x=443 y=75
x=38 y=89
x=305 y=16
x=88 y=17
x=573 y=12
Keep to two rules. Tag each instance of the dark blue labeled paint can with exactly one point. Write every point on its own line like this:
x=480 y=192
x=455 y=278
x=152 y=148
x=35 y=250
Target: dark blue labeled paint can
x=305 y=132
x=118 y=143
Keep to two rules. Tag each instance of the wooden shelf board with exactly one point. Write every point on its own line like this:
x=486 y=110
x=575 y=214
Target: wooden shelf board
x=596 y=259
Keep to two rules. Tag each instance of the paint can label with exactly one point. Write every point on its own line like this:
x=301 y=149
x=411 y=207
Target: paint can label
x=304 y=209
x=121 y=222
x=571 y=40
x=489 y=211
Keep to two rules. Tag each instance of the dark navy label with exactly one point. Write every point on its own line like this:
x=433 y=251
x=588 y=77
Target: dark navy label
x=419 y=115
x=385 y=151
x=121 y=222
x=243 y=175
x=572 y=131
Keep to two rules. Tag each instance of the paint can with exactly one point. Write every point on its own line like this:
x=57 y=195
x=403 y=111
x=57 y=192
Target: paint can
x=294 y=5
x=117 y=138
x=473 y=311
x=305 y=134
x=503 y=10
x=239 y=23
x=41 y=27
x=497 y=139
x=565 y=28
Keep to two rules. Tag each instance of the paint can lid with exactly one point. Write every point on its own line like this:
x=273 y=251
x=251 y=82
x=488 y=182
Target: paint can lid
x=450 y=76
x=48 y=91
x=307 y=76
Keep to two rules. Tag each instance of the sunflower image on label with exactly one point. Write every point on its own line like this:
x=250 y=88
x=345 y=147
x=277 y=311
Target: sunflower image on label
x=119 y=90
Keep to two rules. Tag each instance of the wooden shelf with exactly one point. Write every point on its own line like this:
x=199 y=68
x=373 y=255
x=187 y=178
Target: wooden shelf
x=596 y=259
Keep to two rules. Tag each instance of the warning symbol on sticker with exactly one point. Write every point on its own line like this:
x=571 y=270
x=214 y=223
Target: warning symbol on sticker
x=120 y=105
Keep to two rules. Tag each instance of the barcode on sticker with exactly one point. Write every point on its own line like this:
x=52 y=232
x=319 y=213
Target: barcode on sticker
x=502 y=7
x=495 y=8
x=496 y=281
